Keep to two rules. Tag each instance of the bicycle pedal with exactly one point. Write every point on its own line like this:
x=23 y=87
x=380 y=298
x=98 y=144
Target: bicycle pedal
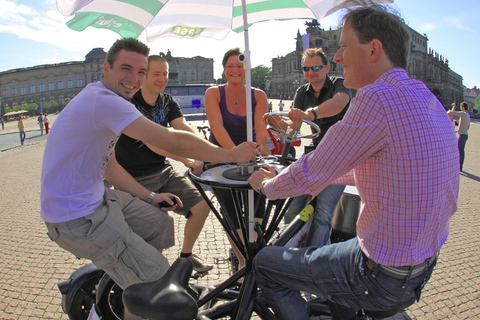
x=221 y=260
x=198 y=275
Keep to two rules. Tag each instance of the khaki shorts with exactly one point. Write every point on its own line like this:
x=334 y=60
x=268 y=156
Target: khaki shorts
x=123 y=237
x=168 y=180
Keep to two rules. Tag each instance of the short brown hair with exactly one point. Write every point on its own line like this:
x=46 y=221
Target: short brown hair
x=157 y=58
x=376 y=22
x=129 y=44
x=312 y=52
x=229 y=53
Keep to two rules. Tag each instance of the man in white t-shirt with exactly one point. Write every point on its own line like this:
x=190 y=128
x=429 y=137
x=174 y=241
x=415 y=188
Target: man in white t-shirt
x=122 y=232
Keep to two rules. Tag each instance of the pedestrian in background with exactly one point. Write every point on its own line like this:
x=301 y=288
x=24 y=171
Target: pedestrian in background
x=21 y=129
x=47 y=123
x=462 y=128
x=40 y=123
x=3 y=124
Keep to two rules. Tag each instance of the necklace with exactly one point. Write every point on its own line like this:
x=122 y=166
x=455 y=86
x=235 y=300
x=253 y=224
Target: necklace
x=236 y=100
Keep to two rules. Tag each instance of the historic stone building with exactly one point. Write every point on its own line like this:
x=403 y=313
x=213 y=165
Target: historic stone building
x=51 y=84
x=471 y=96
x=196 y=70
x=423 y=64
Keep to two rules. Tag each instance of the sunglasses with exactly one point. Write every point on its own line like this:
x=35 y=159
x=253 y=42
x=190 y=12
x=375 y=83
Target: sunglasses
x=314 y=68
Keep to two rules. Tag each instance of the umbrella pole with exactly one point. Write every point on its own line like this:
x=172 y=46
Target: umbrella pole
x=248 y=85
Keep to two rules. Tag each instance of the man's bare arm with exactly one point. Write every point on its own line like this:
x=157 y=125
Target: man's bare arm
x=187 y=144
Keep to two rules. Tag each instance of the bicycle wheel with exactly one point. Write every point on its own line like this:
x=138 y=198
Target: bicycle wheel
x=83 y=300
x=109 y=303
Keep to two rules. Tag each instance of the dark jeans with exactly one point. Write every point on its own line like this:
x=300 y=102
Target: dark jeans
x=335 y=272
x=23 y=136
x=462 y=141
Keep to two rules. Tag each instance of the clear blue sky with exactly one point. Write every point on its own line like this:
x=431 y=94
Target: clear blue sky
x=33 y=32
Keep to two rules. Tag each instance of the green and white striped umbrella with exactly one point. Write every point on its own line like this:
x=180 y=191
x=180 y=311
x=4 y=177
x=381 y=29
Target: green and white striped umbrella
x=191 y=18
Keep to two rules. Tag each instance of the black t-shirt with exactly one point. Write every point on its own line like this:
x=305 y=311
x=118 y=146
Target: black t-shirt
x=305 y=99
x=132 y=154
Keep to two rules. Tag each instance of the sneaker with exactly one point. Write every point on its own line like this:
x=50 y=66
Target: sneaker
x=198 y=266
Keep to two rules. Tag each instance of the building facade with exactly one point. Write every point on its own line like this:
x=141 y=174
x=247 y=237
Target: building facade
x=423 y=64
x=471 y=96
x=50 y=87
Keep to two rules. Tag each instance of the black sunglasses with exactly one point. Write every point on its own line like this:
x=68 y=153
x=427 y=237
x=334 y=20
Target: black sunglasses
x=314 y=68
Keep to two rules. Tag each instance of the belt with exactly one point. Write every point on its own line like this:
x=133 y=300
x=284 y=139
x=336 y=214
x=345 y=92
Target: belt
x=401 y=272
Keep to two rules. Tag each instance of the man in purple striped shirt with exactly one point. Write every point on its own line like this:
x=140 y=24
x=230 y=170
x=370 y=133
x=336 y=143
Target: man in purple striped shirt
x=397 y=148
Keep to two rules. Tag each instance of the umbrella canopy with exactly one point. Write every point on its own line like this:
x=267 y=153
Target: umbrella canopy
x=191 y=18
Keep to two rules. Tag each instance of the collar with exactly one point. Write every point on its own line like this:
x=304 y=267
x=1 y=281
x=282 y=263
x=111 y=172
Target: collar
x=326 y=85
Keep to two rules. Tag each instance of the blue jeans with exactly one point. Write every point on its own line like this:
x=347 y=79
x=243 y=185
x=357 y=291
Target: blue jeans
x=321 y=227
x=335 y=272
x=22 y=136
x=462 y=141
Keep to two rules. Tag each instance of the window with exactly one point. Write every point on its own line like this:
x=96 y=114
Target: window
x=14 y=90
x=79 y=82
x=51 y=85
x=4 y=92
x=23 y=90
x=70 y=83
x=32 y=87
x=60 y=84
x=41 y=87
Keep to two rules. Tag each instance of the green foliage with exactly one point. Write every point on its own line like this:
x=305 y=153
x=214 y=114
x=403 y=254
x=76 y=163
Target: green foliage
x=259 y=75
x=66 y=101
x=31 y=108
x=477 y=102
x=8 y=109
x=50 y=107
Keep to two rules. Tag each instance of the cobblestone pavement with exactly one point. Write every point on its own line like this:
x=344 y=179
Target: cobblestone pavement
x=32 y=265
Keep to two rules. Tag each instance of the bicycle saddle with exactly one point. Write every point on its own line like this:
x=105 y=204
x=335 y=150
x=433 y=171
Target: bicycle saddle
x=166 y=298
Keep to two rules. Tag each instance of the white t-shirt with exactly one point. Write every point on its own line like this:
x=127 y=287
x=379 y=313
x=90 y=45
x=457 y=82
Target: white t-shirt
x=77 y=152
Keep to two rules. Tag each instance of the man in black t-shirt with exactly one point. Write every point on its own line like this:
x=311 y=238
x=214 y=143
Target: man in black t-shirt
x=147 y=164
x=323 y=100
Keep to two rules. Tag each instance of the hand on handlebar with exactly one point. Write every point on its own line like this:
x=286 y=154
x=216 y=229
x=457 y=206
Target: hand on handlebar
x=297 y=116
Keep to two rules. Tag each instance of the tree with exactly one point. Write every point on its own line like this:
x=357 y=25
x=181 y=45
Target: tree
x=259 y=76
x=477 y=103
x=32 y=108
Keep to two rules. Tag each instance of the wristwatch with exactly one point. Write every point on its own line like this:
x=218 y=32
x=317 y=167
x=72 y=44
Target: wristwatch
x=312 y=110
x=260 y=187
x=150 y=197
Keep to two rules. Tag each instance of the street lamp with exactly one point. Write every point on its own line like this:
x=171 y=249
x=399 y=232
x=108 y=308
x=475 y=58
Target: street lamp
x=295 y=86
x=41 y=105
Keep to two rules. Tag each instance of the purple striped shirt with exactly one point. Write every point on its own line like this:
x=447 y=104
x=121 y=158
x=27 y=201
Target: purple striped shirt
x=396 y=143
